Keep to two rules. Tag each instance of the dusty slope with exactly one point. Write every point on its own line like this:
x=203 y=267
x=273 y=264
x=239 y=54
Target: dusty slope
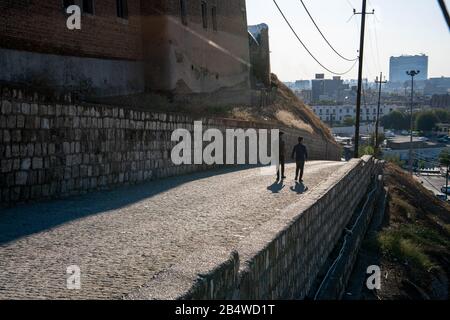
x=413 y=246
x=286 y=109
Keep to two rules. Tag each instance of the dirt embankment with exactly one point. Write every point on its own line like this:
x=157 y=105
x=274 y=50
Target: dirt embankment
x=285 y=108
x=412 y=247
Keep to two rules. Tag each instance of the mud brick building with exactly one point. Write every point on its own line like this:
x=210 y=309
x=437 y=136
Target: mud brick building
x=259 y=55
x=126 y=46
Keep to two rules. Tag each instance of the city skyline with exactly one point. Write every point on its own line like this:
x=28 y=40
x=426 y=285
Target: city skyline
x=421 y=29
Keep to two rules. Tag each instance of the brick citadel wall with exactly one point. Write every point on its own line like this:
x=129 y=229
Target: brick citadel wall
x=54 y=150
x=40 y=26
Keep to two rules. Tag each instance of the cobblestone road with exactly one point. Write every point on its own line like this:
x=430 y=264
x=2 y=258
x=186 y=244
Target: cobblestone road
x=121 y=238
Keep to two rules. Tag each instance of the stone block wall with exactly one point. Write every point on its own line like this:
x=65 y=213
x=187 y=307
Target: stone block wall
x=333 y=285
x=286 y=267
x=282 y=258
x=54 y=149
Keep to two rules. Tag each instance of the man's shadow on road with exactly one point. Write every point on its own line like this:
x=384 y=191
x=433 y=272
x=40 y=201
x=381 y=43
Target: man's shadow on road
x=299 y=188
x=276 y=187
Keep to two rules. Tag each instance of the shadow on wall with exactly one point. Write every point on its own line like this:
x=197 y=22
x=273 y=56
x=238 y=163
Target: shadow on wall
x=25 y=220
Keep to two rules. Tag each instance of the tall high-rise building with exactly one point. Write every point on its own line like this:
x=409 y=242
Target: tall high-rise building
x=399 y=65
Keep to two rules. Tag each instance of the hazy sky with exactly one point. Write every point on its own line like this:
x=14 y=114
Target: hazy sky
x=399 y=27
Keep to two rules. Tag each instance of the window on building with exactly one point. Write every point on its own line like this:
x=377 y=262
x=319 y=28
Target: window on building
x=214 y=18
x=205 y=14
x=88 y=6
x=183 y=12
x=122 y=9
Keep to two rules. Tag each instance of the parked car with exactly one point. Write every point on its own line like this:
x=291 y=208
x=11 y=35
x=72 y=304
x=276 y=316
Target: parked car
x=389 y=134
x=441 y=196
x=444 y=139
x=445 y=190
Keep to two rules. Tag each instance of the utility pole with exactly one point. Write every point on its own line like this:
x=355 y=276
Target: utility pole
x=360 y=73
x=411 y=73
x=377 y=123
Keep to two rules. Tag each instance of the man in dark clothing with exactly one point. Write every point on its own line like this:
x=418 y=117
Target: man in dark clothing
x=281 y=154
x=300 y=154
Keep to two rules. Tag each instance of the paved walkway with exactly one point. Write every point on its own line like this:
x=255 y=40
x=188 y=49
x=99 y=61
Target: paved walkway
x=121 y=238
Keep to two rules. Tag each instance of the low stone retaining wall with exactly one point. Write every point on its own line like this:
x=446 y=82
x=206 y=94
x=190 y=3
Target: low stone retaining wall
x=282 y=258
x=56 y=149
x=335 y=281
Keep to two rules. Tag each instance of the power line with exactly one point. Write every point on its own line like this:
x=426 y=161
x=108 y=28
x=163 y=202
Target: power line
x=350 y=4
x=375 y=62
x=373 y=34
x=306 y=48
x=323 y=36
x=445 y=12
x=376 y=40
x=431 y=184
x=375 y=16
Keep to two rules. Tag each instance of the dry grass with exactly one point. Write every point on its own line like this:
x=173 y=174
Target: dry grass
x=290 y=120
x=415 y=240
x=287 y=109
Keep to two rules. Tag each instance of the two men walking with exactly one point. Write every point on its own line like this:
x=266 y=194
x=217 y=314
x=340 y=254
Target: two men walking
x=299 y=153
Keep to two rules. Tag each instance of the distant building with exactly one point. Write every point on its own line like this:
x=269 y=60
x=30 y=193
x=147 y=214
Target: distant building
x=304 y=95
x=399 y=146
x=443 y=129
x=328 y=89
x=259 y=55
x=338 y=114
x=400 y=65
x=437 y=86
x=365 y=130
x=302 y=85
x=440 y=101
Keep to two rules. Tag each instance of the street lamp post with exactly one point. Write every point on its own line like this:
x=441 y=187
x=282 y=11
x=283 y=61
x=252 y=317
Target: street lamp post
x=412 y=74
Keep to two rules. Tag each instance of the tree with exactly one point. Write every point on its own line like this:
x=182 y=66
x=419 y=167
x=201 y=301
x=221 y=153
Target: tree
x=426 y=121
x=395 y=159
x=381 y=138
x=366 y=150
x=442 y=115
x=422 y=164
x=444 y=157
x=349 y=121
x=395 y=120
